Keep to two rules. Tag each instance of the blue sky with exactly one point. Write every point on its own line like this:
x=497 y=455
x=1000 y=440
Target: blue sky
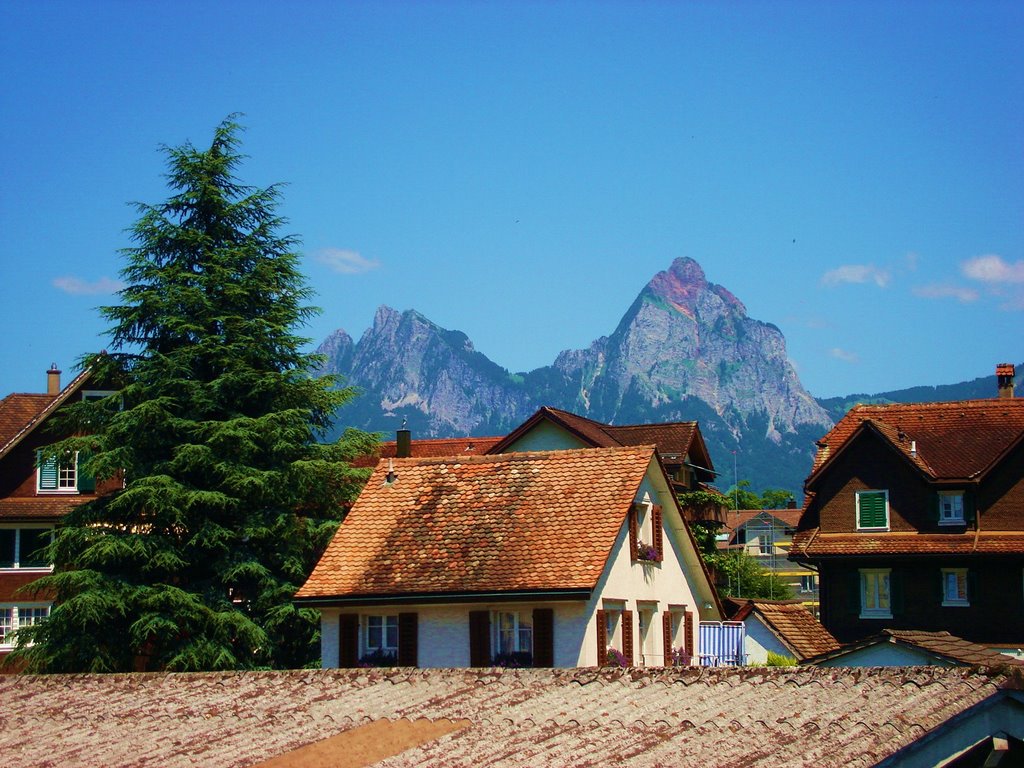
x=852 y=172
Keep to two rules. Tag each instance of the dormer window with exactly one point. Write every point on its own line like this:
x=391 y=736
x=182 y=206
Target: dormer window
x=951 y=508
x=872 y=510
x=55 y=476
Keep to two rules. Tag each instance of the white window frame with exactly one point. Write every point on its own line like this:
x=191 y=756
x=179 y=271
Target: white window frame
x=645 y=521
x=519 y=630
x=956 y=499
x=765 y=542
x=15 y=615
x=386 y=619
x=17 y=566
x=67 y=478
x=646 y=613
x=806 y=579
x=887 y=517
x=871 y=592
x=958 y=596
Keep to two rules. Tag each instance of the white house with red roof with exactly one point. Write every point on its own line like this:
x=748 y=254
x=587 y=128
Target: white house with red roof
x=561 y=558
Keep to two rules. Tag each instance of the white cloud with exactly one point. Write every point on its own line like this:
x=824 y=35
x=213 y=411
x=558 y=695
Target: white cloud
x=76 y=286
x=844 y=355
x=345 y=262
x=946 y=291
x=991 y=268
x=857 y=273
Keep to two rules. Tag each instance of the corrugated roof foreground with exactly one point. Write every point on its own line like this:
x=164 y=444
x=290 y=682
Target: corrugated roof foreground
x=759 y=717
x=517 y=521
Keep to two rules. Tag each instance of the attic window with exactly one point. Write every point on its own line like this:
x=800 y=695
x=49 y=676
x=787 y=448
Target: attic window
x=872 y=510
x=951 y=508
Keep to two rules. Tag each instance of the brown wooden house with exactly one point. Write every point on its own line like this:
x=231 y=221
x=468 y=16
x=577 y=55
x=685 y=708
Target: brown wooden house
x=914 y=519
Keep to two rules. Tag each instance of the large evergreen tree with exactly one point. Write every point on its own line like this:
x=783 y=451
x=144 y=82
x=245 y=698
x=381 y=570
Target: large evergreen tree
x=227 y=496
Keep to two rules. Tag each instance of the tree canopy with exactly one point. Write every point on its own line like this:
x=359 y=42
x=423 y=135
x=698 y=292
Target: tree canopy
x=223 y=498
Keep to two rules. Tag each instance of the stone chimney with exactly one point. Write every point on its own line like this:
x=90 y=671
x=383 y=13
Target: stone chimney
x=403 y=449
x=1004 y=379
x=53 y=380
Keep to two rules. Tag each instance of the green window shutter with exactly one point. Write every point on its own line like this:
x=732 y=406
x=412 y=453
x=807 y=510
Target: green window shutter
x=48 y=474
x=871 y=509
x=970 y=509
x=86 y=481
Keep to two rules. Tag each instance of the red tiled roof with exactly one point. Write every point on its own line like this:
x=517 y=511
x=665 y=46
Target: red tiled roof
x=673 y=439
x=518 y=521
x=432 y=447
x=17 y=411
x=21 y=413
x=41 y=508
x=791 y=622
x=942 y=644
x=759 y=718
x=953 y=440
x=812 y=543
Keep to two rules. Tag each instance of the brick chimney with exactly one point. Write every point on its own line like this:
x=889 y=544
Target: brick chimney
x=1004 y=379
x=403 y=448
x=53 y=380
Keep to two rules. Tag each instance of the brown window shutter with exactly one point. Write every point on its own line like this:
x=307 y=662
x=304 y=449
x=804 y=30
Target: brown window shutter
x=543 y=637
x=348 y=640
x=408 y=640
x=602 y=638
x=666 y=635
x=479 y=638
x=688 y=629
x=627 y=637
x=632 y=532
x=659 y=541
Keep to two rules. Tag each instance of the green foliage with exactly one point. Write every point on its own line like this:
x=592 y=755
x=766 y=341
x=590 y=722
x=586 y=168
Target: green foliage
x=740 y=575
x=228 y=498
x=780 y=660
x=741 y=497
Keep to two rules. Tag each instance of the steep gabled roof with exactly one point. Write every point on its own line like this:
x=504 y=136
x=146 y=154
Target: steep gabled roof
x=673 y=439
x=941 y=645
x=432 y=447
x=21 y=413
x=783 y=517
x=540 y=521
x=957 y=440
x=790 y=622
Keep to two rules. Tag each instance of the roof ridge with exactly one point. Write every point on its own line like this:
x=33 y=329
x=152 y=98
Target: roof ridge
x=522 y=456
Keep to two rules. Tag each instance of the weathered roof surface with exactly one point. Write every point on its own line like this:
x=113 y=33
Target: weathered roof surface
x=673 y=439
x=765 y=718
x=950 y=440
x=789 y=621
x=941 y=644
x=813 y=543
x=432 y=447
x=542 y=520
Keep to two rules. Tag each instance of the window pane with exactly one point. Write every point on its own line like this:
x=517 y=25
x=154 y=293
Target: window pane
x=33 y=540
x=525 y=637
x=6 y=625
x=883 y=591
x=7 y=537
x=374 y=631
x=391 y=634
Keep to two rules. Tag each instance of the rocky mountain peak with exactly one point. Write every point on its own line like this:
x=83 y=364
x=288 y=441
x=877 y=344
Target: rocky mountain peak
x=683 y=283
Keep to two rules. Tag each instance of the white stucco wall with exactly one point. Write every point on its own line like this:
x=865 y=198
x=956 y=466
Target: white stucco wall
x=443 y=630
x=759 y=640
x=546 y=436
